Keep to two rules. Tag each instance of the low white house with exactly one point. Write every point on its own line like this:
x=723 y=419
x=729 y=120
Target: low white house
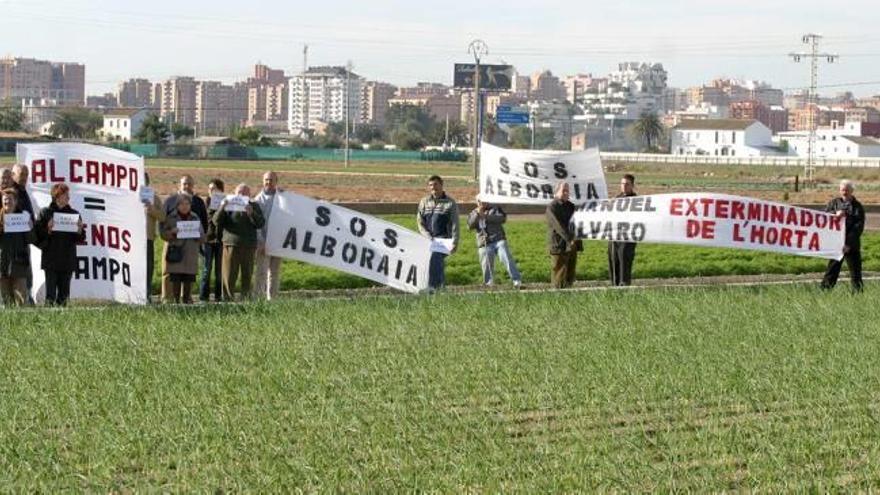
x=844 y=141
x=121 y=124
x=723 y=137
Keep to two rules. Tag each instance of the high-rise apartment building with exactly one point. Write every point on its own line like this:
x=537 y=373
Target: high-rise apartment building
x=323 y=95
x=374 y=101
x=22 y=78
x=178 y=100
x=135 y=93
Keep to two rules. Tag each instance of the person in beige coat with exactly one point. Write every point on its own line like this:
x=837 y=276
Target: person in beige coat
x=180 y=257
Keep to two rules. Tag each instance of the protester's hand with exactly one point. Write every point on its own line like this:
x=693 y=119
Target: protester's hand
x=79 y=224
x=50 y=226
x=840 y=213
x=249 y=210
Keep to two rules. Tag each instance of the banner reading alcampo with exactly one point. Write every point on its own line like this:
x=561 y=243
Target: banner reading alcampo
x=530 y=176
x=714 y=220
x=104 y=188
x=324 y=234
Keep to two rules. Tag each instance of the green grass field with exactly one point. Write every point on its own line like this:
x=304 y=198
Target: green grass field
x=769 y=389
x=528 y=242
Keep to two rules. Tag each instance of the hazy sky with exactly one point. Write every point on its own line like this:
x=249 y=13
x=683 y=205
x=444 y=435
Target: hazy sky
x=407 y=41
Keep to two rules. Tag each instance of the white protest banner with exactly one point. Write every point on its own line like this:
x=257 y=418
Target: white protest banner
x=530 y=176
x=713 y=220
x=65 y=222
x=324 y=234
x=16 y=222
x=216 y=199
x=104 y=188
x=235 y=203
x=189 y=229
x=147 y=194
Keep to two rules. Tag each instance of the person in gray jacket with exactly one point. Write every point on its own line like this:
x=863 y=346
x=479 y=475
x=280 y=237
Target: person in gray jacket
x=488 y=221
x=268 y=271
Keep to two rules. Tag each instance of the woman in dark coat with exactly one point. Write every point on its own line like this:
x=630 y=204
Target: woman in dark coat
x=59 y=248
x=182 y=268
x=15 y=262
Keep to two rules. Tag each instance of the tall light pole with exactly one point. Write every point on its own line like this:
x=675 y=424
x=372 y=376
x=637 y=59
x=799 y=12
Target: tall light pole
x=479 y=49
x=347 y=95
x=814 y=56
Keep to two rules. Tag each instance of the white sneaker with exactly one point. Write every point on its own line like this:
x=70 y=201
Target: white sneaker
x=517 y=284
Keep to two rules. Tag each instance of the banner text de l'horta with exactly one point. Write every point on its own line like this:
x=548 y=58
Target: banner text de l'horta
x=530 y=176
x=713 y=220
x=104 y=188
x=324 y=234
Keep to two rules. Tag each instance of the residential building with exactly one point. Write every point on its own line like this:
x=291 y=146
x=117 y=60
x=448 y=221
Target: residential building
x=135 y=93
x=38 y=112
x=576 y=85
x=22 y=78
x=776 y=117
x=107 y=100
x=851 y=140
x=863 y=114
x=440 y=107
x=631 y=91
x=374 y=102
x=122 y=124
x=799 y=118
x=703 y=111
x=214 y=108
x=544 y=86
x=723 y=137
x=520 y=86
x=178 y=101
x=423 y=89
x=324 y=95
x=267 y=95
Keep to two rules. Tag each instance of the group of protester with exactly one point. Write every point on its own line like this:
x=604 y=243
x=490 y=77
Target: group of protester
x=231 y=245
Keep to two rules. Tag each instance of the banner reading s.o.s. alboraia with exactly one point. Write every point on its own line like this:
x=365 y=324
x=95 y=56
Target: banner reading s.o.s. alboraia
x=713 y=220
x=321 y=233
x=105 y=189
x=530 y=176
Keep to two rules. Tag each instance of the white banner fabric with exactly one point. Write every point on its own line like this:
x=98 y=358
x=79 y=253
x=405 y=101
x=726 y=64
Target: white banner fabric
x=529 y=177
x=713 y=220
x=324 y=234
x=105 y=190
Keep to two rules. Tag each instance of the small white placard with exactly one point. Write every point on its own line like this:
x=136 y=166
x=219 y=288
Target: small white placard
x=16 y=222
x=189 y=229
x=65 y=222
x=442 y=245
x=148 y=194
x=216 y=199
x=236 y=203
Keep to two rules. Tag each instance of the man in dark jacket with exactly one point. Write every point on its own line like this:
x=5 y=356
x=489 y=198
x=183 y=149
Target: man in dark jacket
x=212 y=250
x=622 y=254
x=20 y=179
x=848 y=207
x=488 y=221
x=438 y=219
x=561 y=241
x=239 y=243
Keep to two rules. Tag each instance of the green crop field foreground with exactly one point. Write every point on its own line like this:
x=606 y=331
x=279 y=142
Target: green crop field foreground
x=772 y=389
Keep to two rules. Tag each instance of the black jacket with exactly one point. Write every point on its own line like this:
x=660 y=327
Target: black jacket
x=855 y=219
x=492 y=229
x=15 y=259
x=59 y=248
x=24 y=200
x=559 y=233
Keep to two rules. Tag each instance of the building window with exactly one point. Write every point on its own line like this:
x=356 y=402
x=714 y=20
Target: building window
x=733 y=137
x=716 y=137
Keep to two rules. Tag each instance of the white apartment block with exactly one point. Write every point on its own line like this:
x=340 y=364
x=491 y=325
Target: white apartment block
x=323 y=95
x=844 y=141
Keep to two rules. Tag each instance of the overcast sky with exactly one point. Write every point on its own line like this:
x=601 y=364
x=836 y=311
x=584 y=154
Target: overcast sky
x=407 y=41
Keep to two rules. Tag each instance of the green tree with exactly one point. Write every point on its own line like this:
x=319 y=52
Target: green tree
x=251 y=136
x=76 y=123
x=152 y=131
x=648 y=130
x=367 y=133
x=181 y=131
x=414 y=118
x=408 y=139
x=458 y=133
x=11 y=117
x=520 y=137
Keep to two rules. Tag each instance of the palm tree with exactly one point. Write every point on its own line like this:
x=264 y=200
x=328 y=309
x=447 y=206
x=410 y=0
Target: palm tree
x=648 y=129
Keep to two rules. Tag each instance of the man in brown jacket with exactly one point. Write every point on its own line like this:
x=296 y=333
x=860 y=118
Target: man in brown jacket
x=561 y=241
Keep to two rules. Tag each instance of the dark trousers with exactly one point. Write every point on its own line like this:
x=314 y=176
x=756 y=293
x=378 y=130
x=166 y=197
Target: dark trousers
x=213 y=254
x=150 y=261
x=437 y=271
x=620 y=262
x=57 y=287
x=562 y=269
x=853 y=263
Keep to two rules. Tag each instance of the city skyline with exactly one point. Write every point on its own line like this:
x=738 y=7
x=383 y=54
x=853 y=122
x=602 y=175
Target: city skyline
x=395 y=43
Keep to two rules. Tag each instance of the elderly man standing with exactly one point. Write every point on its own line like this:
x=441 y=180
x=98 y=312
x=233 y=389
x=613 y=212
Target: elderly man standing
x=268 y=274
x=240 y=230
x=561 y=241
x=846 y=206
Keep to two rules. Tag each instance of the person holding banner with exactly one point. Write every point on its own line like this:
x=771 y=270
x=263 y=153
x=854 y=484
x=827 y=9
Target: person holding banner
x=561 y=241
x=488 y=221
x=239 y=242
x=15 y=260
x=846 y=206
x=213 y=246
x=438 y=219
x=622 y=254
x=59 y=228
x=268 y=271
x=155 y=216
x=180 y=259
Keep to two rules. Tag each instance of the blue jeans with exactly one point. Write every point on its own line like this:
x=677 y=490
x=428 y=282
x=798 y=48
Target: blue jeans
x=437 y=271
x=213 y=253
x=487 y=261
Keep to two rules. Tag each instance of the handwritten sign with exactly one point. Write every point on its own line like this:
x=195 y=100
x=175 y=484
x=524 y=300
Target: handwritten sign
x=189 y=229
x=65 y=222
x=236 y=203
x=16 y=222
x=148 y=194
